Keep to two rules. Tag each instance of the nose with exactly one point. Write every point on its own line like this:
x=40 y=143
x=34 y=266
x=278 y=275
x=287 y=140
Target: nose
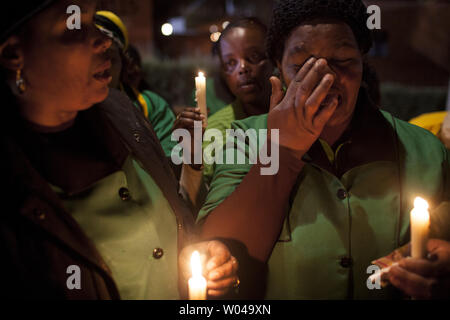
x=243 y=67
x=331 y=70
x=101 y=41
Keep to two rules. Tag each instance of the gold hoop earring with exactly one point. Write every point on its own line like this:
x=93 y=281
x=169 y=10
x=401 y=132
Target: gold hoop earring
x=20 y=83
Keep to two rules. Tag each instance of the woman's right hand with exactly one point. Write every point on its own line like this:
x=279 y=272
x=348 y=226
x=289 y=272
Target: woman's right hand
x=303 y=111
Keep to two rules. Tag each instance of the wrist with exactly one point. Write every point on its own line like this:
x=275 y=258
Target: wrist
x=197 y=167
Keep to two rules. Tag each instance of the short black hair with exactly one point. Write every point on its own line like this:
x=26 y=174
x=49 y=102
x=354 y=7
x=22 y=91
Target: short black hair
x=244 y=22
x=288 y=14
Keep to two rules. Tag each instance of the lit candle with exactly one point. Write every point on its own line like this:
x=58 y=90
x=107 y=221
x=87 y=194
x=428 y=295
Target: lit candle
x=200 y=93
x=197 y=283
x=420 y=223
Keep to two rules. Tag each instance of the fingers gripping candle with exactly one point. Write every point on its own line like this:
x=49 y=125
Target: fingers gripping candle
x=420 y=223
x=197 y=283
x=200 y=93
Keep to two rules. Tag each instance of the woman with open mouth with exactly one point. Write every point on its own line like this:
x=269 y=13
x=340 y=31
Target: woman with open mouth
x=90 y=204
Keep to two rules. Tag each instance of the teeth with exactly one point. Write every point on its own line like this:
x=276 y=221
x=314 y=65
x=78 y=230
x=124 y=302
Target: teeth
x=103 y=74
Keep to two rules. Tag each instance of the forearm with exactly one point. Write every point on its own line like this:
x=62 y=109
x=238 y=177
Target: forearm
x=193 y=187
x=254 y=213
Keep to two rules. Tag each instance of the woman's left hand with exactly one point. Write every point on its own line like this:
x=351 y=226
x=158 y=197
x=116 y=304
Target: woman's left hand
x=186 y=120
x=425 y=278
x=220 y=267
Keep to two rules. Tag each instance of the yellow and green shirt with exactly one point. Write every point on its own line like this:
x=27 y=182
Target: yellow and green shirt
x=160 y=115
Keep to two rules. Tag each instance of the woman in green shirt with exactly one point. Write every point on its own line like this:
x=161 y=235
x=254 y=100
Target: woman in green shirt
x=348 y=172
x=246 y=71
x=154 y=107
x=91 y=207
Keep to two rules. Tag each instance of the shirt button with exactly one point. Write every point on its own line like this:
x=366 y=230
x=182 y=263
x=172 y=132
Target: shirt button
x=39 y=214
x=346 y=262
x=342 y=194
x=124 y=194
x=158 y=253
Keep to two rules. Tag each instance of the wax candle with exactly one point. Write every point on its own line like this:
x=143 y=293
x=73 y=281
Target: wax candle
x=200 y=93
x=197 y=283
x=420 y=223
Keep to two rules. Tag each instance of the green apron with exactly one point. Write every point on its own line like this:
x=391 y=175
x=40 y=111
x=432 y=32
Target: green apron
x=134 y=228
x=338 y=224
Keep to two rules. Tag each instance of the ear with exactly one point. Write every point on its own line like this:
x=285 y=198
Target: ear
x=11 y=54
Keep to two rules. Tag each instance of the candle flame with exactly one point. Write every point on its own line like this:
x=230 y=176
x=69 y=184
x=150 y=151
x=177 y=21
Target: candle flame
x=420 y=204
x=196 y=265
x=201 y=74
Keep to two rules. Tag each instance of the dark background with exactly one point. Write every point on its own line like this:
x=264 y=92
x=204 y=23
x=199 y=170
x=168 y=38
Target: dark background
x=411 y=53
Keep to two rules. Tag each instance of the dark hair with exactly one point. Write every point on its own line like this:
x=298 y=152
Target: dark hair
x=245 y=22
x=371 y=84
x=288 y=14
x=132 y=74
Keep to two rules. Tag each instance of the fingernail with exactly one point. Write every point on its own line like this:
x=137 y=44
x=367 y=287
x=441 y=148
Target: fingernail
x=329 y=78
x=211 y=265
x=321 y=62
x=214 y=275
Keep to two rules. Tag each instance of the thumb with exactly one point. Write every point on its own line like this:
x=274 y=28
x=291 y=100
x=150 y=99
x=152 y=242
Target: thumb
x=277 y=92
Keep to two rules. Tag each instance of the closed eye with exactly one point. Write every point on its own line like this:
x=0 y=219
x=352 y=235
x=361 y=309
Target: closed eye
x=342 y=61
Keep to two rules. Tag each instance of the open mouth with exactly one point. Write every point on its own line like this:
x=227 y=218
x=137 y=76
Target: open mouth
x=104 y=75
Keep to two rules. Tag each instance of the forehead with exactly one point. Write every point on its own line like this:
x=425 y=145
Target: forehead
x=321 y=34
x=244 y=34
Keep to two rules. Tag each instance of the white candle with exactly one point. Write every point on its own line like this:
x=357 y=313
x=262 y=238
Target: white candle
x=200 y=93
x=197 y=283
x=420 y=223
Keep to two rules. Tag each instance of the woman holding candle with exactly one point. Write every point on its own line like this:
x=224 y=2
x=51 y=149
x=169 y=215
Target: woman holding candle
x=348 y=171
x=426 y=278
x=91 y=208
x=246 y=71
